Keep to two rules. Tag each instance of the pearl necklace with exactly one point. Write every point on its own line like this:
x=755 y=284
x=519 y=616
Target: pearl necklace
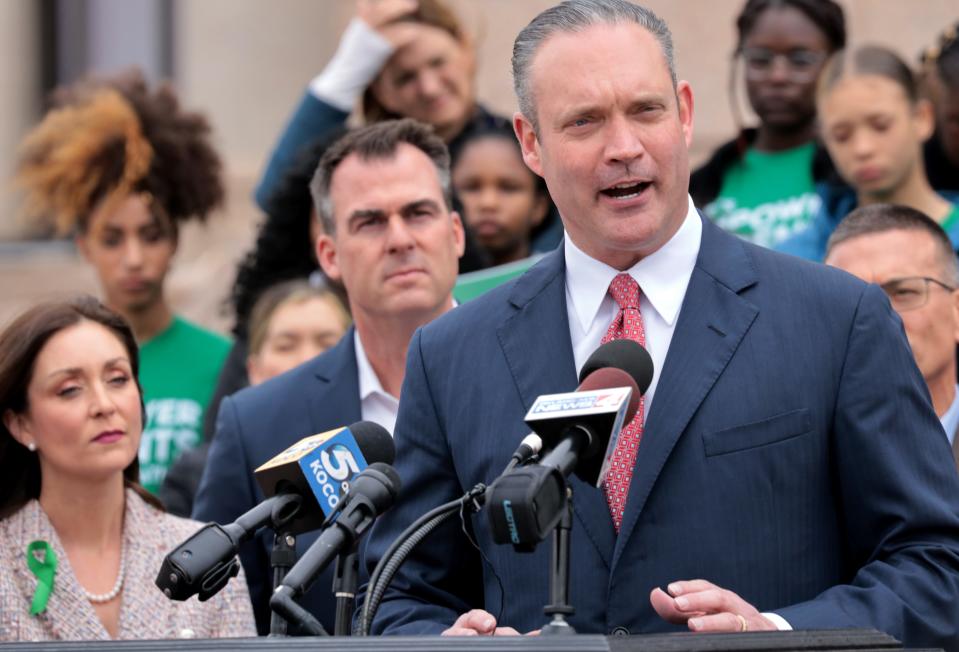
x=101 y=598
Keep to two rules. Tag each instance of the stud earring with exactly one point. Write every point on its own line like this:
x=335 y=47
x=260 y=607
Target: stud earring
x=32 y=447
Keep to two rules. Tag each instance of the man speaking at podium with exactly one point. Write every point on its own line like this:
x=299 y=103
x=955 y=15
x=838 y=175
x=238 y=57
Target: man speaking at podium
x=787 y=469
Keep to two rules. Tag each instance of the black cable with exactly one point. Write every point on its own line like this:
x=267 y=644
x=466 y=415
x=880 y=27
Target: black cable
x=400 y=549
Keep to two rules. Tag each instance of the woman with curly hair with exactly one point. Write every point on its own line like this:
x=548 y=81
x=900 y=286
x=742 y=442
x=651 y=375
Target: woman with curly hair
x=121 y=167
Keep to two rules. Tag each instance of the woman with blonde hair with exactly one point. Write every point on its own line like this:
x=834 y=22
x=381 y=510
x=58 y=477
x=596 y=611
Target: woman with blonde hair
x=81 y=540
x=396 y=59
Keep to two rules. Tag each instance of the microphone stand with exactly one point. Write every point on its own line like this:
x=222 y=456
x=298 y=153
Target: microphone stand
x=282 y=558
x=345 y=583
x=559 y=607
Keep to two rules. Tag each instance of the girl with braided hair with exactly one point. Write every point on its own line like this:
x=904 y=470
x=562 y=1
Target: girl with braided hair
x=762 y=185
x=121 y=167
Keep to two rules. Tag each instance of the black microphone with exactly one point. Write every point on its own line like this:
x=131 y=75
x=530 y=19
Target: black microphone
x=321 y=467
x=303 y=484
x=371 y=493
x=578 y=430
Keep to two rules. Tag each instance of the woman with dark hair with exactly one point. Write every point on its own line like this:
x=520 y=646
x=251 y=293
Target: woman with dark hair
x=396 y=59
x=940 y=76
x=761 y=186
x=121 y=167
x=874 y=123
x=82 y=541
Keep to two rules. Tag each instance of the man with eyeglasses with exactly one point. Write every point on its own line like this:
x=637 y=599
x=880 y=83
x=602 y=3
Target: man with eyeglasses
x=911 y=258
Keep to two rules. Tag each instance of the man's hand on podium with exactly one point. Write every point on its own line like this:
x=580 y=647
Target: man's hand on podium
x=705 y=607
x=480 y=623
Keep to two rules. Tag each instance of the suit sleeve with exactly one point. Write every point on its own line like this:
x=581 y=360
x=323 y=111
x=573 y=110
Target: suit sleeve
x=442 y=577
x=312 y=119
x=225 y=493
x=899 y=493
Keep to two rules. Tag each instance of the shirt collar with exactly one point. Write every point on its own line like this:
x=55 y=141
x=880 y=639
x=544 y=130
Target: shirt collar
x=950 y=420
x=662 y=276
x=369 y=382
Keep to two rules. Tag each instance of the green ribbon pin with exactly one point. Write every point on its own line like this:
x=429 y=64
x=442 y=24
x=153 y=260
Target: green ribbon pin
x=45 y=571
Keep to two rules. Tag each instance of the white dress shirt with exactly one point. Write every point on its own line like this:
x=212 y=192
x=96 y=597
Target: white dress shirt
x=663 y=277
x=376 y=404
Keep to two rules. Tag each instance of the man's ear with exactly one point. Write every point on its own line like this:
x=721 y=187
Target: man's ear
x=326 y=255
x=684 y=96
x=528 y=142
x=459 y=234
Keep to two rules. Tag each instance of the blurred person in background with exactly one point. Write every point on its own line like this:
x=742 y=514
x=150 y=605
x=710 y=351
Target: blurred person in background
x=874 y=123
x=122 y=167
x=504 y=204
x=911 y=258
x=502 y=201
x=389 y=235
x=761 y=185
x=81 y=540
x=282 y=251
x=396 y=59
x=291 y=323
x=940 y=76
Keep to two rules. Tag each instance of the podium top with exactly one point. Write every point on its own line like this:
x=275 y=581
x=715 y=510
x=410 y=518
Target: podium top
x=836 y=640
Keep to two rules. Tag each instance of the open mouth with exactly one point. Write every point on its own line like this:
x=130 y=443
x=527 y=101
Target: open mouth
x=626 y=190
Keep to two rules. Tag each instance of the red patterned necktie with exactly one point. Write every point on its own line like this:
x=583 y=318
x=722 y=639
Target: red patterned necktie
x=627 y=325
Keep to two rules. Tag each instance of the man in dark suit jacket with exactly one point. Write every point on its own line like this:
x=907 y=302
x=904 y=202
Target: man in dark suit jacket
x=791 y=471
x=382 y=193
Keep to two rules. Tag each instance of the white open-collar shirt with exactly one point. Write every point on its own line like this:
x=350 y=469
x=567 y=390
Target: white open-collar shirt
x=663 y=277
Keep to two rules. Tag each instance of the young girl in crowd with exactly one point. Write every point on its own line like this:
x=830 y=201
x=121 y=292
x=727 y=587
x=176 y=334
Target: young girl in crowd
x=121 y=167
x=290 y=323
x=874 y=124
x=80 y=540
x=502 y=201
x=761 y=186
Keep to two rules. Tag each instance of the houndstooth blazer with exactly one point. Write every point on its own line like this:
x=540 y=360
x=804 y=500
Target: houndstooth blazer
x=145 y=613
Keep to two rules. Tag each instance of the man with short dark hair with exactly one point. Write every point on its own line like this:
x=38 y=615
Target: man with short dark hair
x=391 y=238
x=786 y=468
x=910 y=257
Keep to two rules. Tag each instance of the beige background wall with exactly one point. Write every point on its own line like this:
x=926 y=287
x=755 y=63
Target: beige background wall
x=246 y=63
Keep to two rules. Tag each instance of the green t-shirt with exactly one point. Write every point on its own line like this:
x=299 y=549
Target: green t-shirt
x=472 y=284
x=767 y=196
x=178 y=372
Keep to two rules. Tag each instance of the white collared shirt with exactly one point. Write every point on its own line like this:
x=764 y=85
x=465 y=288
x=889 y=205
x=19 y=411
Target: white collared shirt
x=663 y=277
x=376 y=404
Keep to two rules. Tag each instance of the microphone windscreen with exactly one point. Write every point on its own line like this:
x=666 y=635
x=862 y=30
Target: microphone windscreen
x=390 y=474
x=374 y=441
x=627 y=355
x=608 y=378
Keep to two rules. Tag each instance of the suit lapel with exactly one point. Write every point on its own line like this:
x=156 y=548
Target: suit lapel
x=539 y=331
x=334 y=399
x=710 y=327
